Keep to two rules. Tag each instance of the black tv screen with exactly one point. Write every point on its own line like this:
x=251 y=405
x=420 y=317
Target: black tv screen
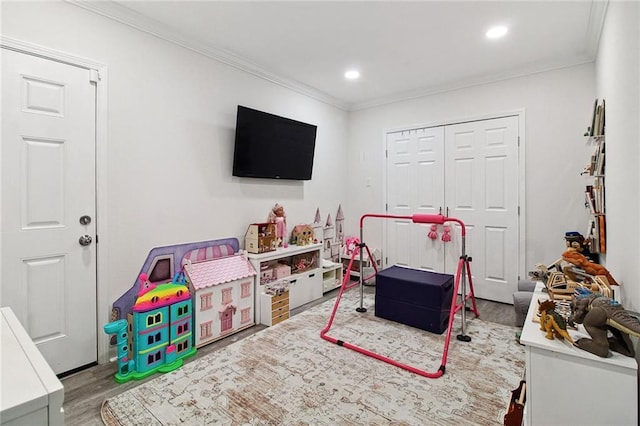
x=273 y=147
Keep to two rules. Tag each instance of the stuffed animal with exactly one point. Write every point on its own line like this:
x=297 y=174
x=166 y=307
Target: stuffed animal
x=578 y=259
x=551 y=322
x=351 y=246
x=600 y=316
x=575 y=255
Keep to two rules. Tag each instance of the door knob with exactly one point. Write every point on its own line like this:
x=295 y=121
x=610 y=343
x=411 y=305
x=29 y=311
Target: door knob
x=85 y=240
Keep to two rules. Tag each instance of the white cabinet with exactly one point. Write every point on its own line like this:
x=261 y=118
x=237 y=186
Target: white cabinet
x=366 y=263
x=30 y=392
x=304 y=288
x=331 y=277
x=569 y=386
x=299 y=265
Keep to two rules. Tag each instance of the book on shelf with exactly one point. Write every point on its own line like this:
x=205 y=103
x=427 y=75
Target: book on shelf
x=588 y=195
x=596 y=129
x=595 y=192
x=596 y=161
x=596 y=234
x=597 y=120
x=593 y=118
x=602 y=233
x=589 y=232
x=602 y=121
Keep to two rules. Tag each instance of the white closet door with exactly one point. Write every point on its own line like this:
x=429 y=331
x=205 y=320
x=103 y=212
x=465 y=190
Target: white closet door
x=481 y=187
x=470 y=170
x=415 y=173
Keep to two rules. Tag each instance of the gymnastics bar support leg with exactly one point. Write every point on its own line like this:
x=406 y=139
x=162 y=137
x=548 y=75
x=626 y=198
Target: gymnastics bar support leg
x=463 y=271
x=323 y=333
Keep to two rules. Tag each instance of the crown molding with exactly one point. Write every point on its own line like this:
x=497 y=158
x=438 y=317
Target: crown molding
x=458 y=85
x=129 y=17
x=136 y=20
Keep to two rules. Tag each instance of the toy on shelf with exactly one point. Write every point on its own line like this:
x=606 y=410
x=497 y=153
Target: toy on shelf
x=302 y=235
x=560 y=287
x=329 y=234
x=576 y=255
x=351 y=249
x=161 y=331
x=574 y=270
x=552 y=322
x=351 y=246
x=276 y=288
x=601 y=316
x=261 y=238
x=304 y=261
x=279 y=217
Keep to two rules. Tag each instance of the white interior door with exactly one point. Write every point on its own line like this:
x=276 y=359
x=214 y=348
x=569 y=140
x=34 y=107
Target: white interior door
x=481 y=187
x=470 y=170
x=415 y=184
x=48 y=183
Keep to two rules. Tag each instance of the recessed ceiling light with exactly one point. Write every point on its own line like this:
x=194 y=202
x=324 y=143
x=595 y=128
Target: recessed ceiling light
x=496 y=32
x=352 y=74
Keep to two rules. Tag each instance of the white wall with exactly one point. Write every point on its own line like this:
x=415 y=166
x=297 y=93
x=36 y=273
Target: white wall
x=171 y=124
x=557 y=106
x=618 y=82
x=171 y=118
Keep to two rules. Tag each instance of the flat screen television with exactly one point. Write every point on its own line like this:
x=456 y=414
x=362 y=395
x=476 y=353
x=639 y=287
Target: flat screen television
x=272 y=147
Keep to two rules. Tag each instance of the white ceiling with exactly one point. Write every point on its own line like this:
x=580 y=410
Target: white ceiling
x=402 y=49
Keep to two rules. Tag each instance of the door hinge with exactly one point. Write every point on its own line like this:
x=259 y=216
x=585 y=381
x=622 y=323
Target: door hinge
x=386 y=208
x=518 y=210
x=94 y=76
x=386 y=153
x=96 y=238
x=518 y=141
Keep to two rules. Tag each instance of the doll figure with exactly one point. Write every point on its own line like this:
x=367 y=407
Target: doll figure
x=277 y=216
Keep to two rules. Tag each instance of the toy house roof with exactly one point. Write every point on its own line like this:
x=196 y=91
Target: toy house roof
x=329 y=223
x=340 y=215
x=302 y=228
x=161 y=295
x=219 y=271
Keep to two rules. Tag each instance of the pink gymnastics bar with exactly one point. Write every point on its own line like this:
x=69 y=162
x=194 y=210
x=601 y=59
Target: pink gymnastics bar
x=463 y=270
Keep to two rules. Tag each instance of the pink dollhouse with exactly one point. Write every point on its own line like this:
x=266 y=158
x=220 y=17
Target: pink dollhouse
x=223 y=298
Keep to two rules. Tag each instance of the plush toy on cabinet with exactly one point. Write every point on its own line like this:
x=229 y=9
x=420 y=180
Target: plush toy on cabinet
x=574 y=255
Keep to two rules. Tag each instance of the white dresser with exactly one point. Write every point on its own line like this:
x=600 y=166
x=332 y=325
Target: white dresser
x=30 y=392
x=569 y=386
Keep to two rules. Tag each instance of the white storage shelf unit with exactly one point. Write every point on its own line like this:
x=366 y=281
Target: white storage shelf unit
x=30 y=392
x=305 y=279
x=366 y=263
x=331 y=277
x=569 y=386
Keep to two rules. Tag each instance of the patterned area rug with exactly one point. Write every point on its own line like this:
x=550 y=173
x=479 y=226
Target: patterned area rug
x=287 y=375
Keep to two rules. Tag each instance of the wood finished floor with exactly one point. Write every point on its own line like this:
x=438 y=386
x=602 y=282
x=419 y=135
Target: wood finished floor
x=86 y=390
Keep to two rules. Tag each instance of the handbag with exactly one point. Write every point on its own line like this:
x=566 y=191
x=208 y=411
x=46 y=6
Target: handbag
x=513 y=417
